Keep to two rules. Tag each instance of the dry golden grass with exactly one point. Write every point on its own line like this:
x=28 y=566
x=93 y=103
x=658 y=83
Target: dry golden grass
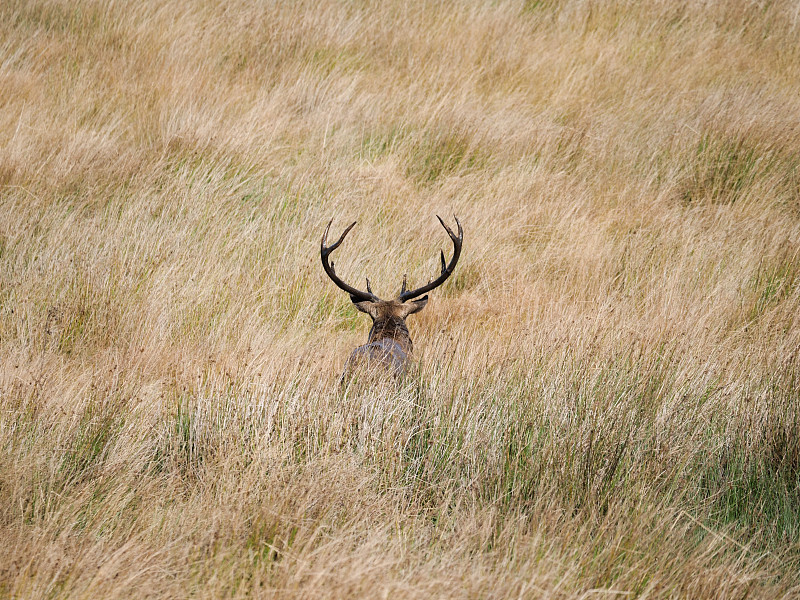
x=607 y=399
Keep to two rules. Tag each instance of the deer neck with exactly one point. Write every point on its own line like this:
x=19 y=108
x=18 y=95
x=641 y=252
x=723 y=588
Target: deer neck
x=393 y=329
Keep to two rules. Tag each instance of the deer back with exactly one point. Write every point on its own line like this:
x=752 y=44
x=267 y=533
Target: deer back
x=384 y=354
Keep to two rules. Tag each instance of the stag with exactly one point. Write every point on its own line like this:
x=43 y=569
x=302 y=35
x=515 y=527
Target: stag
x=389 y=346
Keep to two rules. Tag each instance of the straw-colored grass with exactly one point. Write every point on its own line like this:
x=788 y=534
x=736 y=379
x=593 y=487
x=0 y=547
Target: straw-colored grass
x=606 y=402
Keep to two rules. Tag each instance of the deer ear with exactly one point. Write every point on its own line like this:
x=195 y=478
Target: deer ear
x=414 y=306
x=366 y=306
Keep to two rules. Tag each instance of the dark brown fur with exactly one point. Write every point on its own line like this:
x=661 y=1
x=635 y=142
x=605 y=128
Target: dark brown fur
x=389 y=345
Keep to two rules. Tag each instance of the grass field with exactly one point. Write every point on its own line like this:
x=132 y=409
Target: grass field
x=606 y=398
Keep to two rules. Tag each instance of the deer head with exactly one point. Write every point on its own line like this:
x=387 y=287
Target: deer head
x=389 y=342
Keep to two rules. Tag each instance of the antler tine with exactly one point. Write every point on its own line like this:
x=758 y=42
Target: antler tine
x=325 y=251
x=329 y=249
x=450 y=231
x=447 y=269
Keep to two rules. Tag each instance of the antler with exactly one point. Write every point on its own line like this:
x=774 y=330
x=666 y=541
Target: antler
x=447 y=270
x=355 y=295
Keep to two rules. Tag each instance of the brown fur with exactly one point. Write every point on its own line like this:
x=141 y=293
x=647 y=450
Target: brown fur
x=389 y=346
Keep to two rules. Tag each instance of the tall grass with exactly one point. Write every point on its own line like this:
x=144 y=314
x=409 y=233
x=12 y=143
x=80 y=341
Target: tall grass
x=606 y=397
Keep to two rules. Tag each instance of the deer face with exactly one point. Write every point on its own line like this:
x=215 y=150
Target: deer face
x=389 y=341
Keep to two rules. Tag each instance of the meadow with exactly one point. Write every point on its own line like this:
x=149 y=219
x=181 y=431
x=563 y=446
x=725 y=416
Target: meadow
x=605 y=401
